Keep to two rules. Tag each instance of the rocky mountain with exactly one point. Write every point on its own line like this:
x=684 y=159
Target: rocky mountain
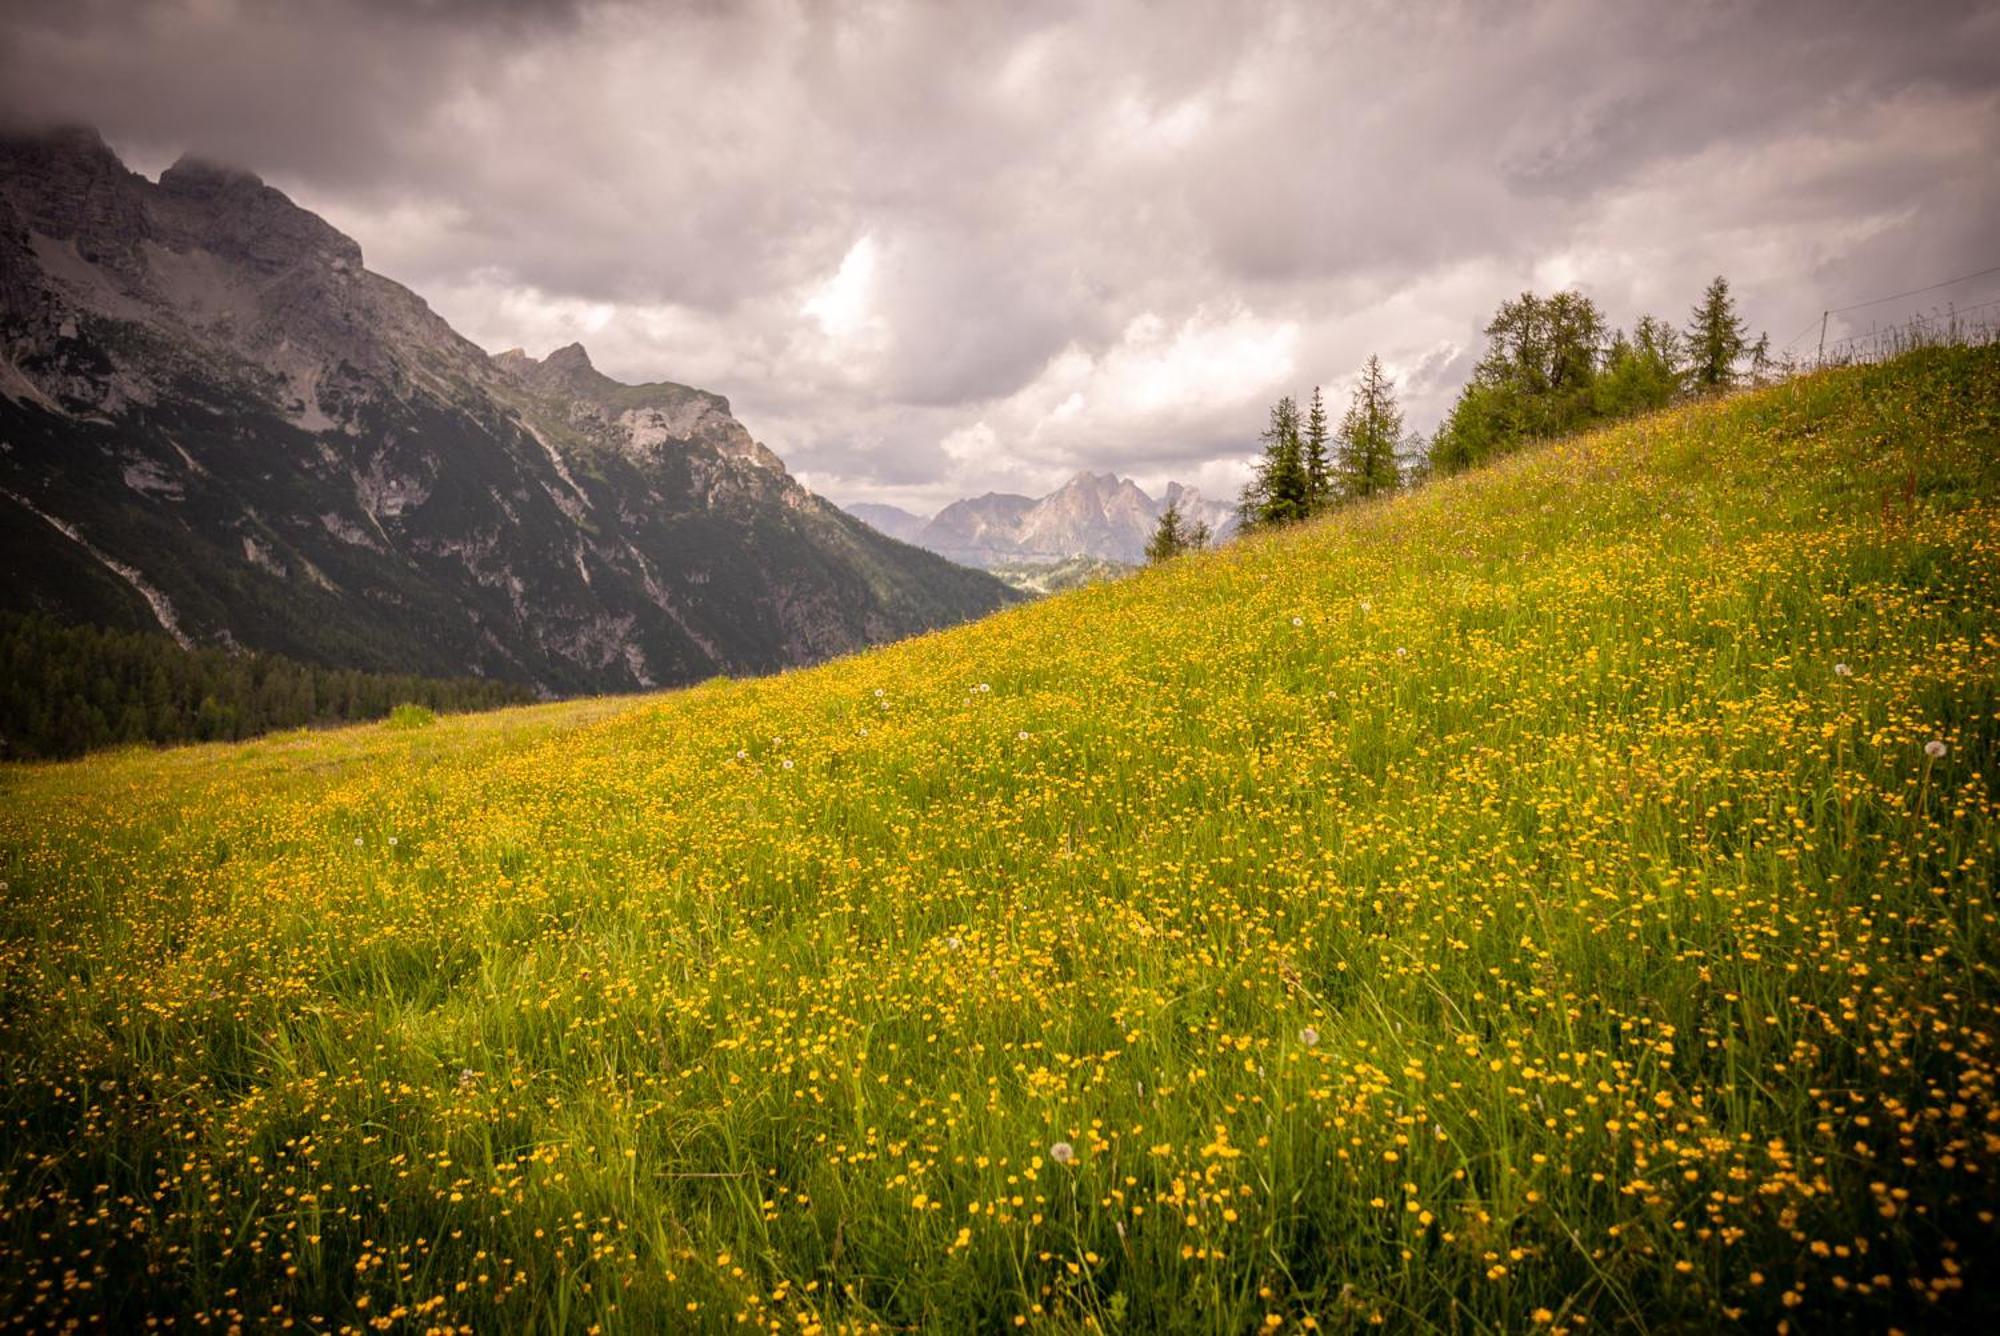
x=215 y=420
x=900 y=524
x=979 y=530
x=1092 y=515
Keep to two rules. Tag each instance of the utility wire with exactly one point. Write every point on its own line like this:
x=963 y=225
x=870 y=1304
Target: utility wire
x=1962 y=313
x=1877 y=301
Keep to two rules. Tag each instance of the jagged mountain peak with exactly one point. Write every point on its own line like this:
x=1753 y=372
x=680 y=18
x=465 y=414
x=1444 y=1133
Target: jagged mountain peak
x=568 y=370
x=230 y=211
x=1096 y=515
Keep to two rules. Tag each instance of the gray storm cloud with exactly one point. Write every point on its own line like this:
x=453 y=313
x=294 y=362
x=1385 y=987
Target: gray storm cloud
x=937 y=249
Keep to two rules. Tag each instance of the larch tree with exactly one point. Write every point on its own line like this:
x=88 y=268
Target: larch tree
x=1369 y=434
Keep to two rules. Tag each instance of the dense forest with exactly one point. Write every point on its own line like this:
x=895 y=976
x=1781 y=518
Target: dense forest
x=65 y=690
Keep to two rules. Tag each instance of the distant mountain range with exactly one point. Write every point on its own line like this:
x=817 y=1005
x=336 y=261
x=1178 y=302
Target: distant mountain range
x=1092 y=515
x=215 y=421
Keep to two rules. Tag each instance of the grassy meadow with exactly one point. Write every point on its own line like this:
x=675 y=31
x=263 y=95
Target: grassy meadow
x=1557 y=899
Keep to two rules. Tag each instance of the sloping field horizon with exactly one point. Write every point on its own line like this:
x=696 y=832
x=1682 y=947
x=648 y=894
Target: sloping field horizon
x=1557 y=898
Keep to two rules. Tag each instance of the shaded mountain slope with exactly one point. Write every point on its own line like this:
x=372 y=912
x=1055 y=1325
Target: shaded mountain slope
x=214 y=419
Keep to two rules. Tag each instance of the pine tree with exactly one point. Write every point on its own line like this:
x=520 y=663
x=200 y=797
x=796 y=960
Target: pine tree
x=1716 y=339
x=1369 y=434
x=1319 y=465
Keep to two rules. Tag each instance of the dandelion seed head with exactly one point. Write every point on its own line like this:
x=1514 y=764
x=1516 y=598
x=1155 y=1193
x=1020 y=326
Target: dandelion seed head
x=1062 y=1152
x=1935 y=748
x=1842 y=670
x=1309 y=1036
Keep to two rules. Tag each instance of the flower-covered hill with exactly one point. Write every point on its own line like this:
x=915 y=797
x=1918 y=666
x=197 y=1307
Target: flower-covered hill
x=1560 y=898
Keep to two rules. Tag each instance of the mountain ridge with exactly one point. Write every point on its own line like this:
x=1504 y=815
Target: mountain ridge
x=218 y=421
x=1098 y=515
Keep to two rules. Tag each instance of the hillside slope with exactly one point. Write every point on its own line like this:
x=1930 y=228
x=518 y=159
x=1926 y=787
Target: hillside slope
x=215 y=421
x=1562 y=893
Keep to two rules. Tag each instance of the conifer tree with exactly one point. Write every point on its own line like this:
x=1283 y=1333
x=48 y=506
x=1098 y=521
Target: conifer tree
x=1538 y=378
x=1281 y=491
x=1716 y=339
x=1369 y=434
x=1319 y=465
x=1167 y=536
x=1641 y=372
x=1175 y=533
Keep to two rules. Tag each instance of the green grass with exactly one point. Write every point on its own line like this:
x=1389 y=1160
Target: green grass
x=1526 y=904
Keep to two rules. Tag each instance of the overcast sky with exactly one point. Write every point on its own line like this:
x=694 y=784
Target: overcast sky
x=932 y=250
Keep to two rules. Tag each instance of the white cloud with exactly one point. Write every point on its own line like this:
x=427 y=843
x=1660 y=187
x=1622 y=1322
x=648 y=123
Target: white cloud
x=931 y=249
x=843 y=304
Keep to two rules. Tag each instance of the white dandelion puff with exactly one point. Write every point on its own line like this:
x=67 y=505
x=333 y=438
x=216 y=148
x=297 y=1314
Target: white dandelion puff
x=1842 y=670
x=788 y=763
x=1298 y=621
x=1062 y=1152
x=1935 y=748
x=1309 y=1036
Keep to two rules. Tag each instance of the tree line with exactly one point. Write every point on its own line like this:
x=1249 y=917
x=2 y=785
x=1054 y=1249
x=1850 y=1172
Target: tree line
x=65 y=690
x=1553 y=365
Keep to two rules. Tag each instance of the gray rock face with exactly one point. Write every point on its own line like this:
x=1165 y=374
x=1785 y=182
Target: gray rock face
x=1097 y=515
x=208 y=402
